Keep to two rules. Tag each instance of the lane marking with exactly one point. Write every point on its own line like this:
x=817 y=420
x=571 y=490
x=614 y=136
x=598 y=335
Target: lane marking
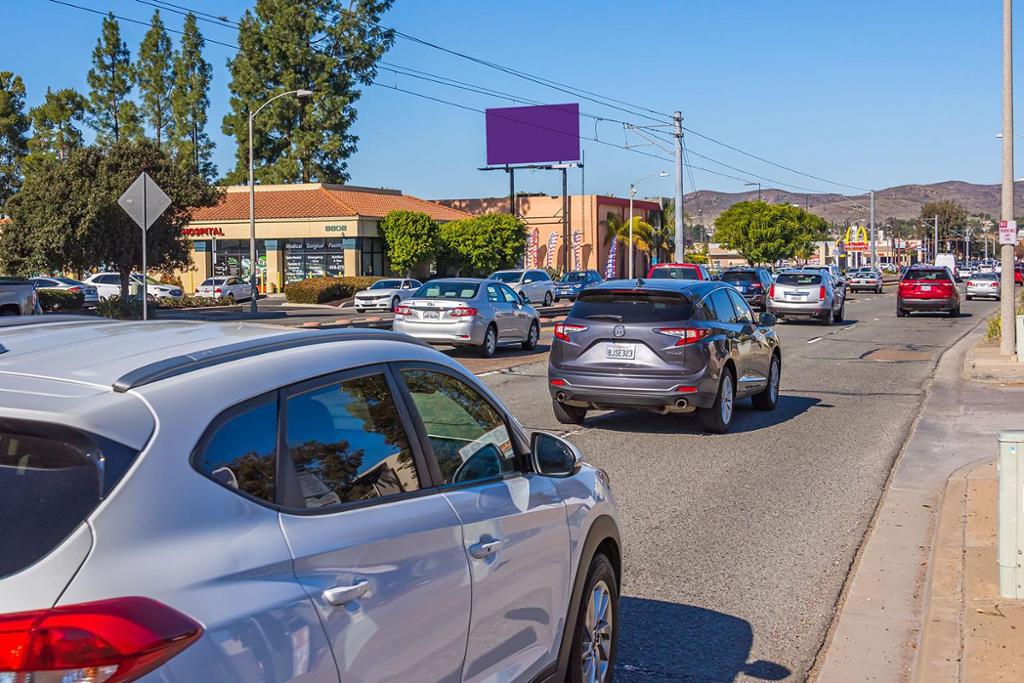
x=816 y=339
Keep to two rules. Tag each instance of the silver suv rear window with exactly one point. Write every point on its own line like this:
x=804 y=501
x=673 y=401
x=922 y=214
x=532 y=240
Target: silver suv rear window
x=632 y=306
x=51 y=479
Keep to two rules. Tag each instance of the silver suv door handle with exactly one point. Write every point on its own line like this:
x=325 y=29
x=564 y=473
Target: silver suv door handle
x=339 y=595
x=484 y=549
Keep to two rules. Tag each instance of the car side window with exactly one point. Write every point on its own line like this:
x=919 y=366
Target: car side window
x=494 y=294
x=241 y=453
x=743 y=312
x=469 y=438
x=347 y=443
x=540 y=276
x=724 y=311
x=509 y=295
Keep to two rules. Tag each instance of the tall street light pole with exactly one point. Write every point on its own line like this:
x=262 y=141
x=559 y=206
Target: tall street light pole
x=1007 y=343
x=253 y=290
x=677 y=133
x=632 y=193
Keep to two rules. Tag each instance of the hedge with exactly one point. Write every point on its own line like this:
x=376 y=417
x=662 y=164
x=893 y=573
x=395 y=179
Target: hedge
x=193 y=301
x=60 y=300
x=319 y=290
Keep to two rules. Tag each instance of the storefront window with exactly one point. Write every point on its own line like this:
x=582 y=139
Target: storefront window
x=231 y=257
x=372 y=256
x=315 y=257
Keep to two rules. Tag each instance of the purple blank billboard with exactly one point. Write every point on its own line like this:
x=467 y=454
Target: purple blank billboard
x=526 y=135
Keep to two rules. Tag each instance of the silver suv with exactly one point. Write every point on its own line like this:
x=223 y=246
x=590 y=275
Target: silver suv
x=233 y=502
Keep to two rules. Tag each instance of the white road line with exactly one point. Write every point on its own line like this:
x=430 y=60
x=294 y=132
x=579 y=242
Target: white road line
x=816 y=339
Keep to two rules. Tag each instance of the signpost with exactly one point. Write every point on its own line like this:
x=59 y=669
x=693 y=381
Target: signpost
x=144 y=201
x=1007 y=232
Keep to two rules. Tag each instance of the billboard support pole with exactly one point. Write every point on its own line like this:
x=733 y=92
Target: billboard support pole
x=565 y=216
x=511 y=190
x=677 y=119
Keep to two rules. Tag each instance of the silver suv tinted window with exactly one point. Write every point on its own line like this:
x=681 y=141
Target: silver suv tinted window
x=347 y=443
x=241 y=452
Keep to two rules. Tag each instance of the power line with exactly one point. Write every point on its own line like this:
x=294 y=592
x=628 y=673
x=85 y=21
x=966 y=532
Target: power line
x=140 y=22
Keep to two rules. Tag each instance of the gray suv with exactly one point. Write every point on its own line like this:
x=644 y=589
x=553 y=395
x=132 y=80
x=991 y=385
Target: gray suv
x=229 y=502
x=670 y=346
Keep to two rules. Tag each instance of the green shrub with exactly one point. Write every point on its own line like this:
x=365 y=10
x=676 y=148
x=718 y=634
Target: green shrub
x=318 y=290
x=114 y=307
x=994 y=328
x=60 y=300
x=193 y=301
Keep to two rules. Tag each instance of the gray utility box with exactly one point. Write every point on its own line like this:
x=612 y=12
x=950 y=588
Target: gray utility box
x=1011 y=515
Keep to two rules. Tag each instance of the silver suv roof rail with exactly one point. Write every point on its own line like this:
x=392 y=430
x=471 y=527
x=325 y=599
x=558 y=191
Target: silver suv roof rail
x=197 y=360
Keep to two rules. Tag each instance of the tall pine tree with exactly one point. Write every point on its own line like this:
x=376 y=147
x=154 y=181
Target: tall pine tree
x=155 y=77
x=111 y=114
x=330 y=47
x=55 y=130
x=13 y=127
x=189 y=101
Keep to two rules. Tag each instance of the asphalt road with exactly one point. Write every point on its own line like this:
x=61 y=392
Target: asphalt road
x=737 y=546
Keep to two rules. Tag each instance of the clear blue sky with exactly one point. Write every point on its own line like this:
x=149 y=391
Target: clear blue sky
x=868 y=93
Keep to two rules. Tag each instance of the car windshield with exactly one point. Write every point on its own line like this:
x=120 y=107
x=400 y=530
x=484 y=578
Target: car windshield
x=508 y=276
x=211 y=281
x=447 y=290
x=574 y=277
x=68 y=281
x=799 y=279
x=739 y=276
x=676 y=273
x=386 y=284
x=934 y=274
x=632 y=306
x=150 y=280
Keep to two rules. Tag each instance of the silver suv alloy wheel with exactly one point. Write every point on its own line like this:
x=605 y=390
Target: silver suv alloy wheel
x=596 y=637
x=727 y=398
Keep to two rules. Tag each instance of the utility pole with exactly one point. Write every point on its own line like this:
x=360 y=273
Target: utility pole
x=1008 y=340
x=874 y=248
x=935 y=241
x=677 y=119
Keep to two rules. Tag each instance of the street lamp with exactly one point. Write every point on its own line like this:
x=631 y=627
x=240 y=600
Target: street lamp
x=758 y=189
x=632 y=193
x=253 y=291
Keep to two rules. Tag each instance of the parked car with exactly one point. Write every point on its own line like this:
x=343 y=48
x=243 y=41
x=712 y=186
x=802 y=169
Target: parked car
x=385 y=294
x=468 y=312
x=65 y=284
x=983 y=285
x=225 y=287
x=663 y=345
x=928 y=288
x=864 y=279
x=531 y=284
x=807 y=293
x=752 y=283
x=18 y=296
x=168 y=510
x=109 y=284
x=1018 y=275
x=678 y=271
x=570 y=285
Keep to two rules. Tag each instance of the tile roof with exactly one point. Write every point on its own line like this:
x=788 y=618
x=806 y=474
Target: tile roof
x=321 y=202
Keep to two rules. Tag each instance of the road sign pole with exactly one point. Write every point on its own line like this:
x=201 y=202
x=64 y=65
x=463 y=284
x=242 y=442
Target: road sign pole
x=145 y=283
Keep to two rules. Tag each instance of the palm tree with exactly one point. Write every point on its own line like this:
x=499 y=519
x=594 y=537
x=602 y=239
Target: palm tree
x=643 y=233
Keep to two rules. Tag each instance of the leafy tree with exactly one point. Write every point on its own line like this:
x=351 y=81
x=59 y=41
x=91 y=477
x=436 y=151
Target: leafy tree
x=189 y=102
x=54 y=125
x=83 y=226
x=155 y=77
x=13 y=127
x=952 y=216
x=111 y=114
x=767 y=233
x=410 y=237
x=618 y=229
x=482 y=244
x=329 y=47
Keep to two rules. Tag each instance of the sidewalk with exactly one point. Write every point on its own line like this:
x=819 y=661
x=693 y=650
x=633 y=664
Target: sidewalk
x=970 y=633
x=876 y=633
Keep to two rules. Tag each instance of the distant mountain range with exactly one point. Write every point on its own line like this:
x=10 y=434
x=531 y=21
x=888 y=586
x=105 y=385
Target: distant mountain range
x=902 y=201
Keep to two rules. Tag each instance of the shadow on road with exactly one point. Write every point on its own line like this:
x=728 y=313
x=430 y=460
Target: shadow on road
x=808 y=322
x=509 y=351
x=745 y=419
x=668 y=641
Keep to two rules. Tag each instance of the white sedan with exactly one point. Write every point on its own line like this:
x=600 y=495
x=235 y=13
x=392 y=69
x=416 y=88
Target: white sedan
x=385 y=294
x=225 y=287
x=108 y=284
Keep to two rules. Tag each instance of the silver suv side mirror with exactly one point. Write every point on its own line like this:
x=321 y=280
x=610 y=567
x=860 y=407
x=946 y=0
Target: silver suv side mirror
x=553 y=456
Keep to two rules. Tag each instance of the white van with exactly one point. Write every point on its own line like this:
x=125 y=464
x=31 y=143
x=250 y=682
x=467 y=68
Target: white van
x=949 y=261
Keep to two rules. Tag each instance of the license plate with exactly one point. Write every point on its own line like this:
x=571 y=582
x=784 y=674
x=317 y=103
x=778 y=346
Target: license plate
x=431 y=315
x=620 y=352
x=796 y=295
x=926 y=288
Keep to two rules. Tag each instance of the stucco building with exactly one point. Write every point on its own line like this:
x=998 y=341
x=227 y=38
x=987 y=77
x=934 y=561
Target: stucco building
x=588 y=228
x=302 y=230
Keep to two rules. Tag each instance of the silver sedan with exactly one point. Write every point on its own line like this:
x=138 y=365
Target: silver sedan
x=468 y=312
x=983 y=285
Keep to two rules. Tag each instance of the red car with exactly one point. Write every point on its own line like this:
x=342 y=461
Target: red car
x=928 y=288
x=1018 y=275
x=678 y=271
